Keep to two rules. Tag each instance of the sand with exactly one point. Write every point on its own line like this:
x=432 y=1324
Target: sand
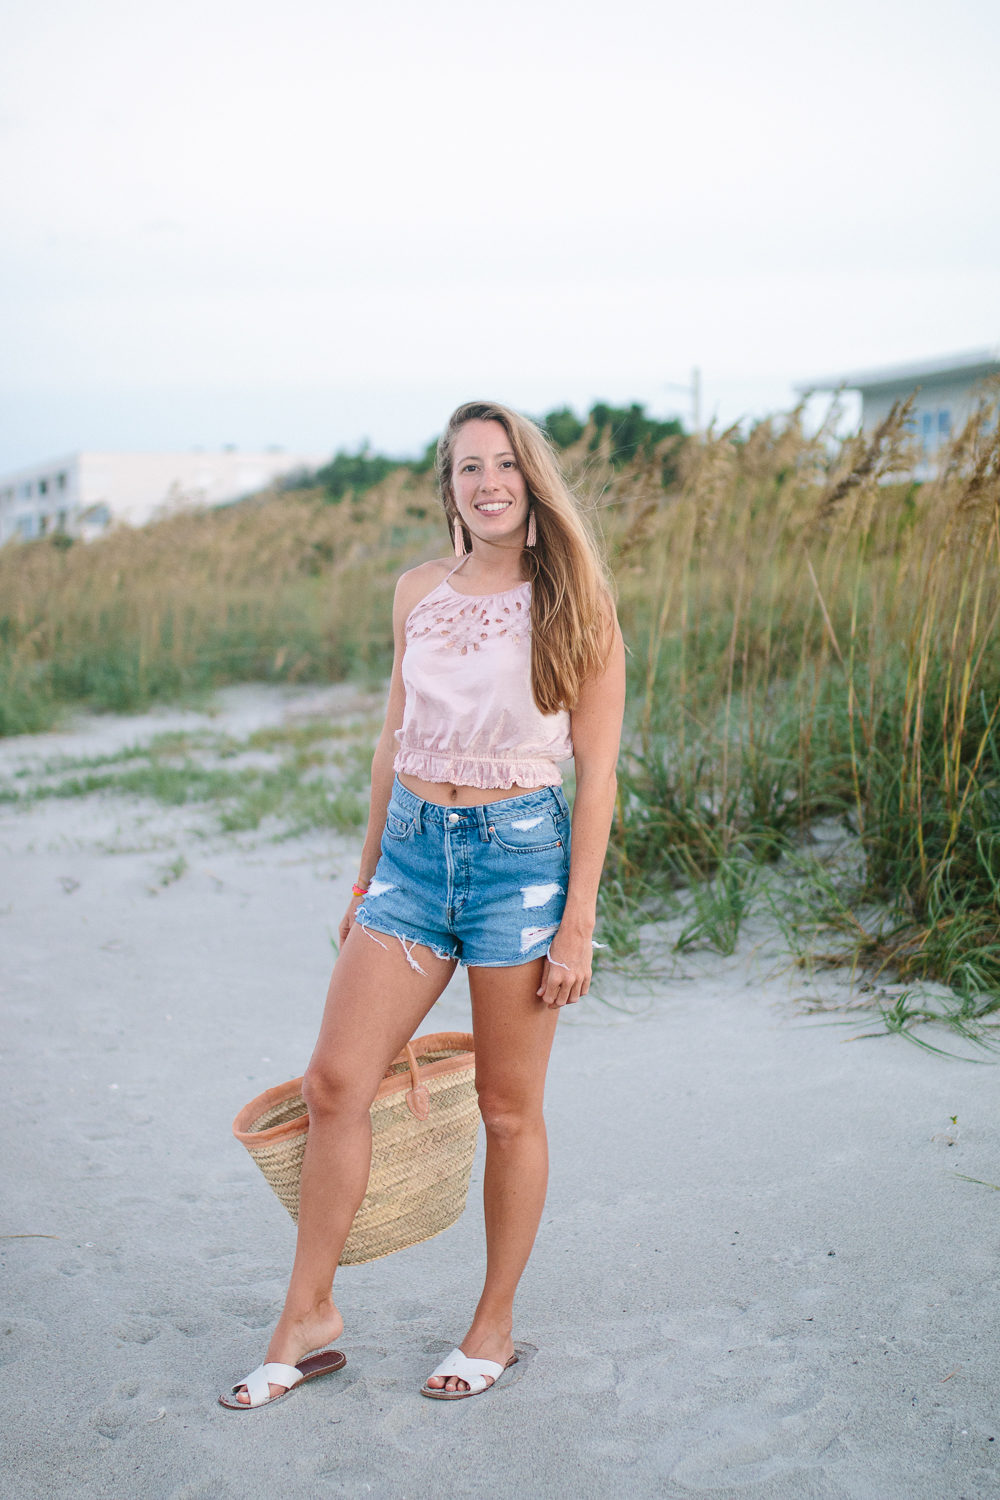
x=761 y=1272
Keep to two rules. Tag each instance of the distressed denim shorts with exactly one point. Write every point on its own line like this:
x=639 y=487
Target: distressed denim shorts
x=484 y=885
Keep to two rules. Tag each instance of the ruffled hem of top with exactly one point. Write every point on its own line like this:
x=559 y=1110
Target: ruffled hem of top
x=459 y=770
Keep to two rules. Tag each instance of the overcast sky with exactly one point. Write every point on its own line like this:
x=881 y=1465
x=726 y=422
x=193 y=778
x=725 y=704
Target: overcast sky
x=306 y=223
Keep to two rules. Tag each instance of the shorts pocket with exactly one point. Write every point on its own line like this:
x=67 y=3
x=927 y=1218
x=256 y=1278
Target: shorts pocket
x=527 y=832
x=396 y=827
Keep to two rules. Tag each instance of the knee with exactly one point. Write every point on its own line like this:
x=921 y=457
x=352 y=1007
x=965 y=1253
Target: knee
x=331 y=1091
x=508 y=1119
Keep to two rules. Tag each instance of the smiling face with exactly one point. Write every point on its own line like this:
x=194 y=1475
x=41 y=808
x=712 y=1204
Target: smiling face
x=491 y=495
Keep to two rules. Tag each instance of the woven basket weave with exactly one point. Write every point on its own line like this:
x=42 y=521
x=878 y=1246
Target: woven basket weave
x=425 y=1119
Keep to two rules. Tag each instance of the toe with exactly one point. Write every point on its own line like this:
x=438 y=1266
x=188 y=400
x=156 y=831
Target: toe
x=243 y=1395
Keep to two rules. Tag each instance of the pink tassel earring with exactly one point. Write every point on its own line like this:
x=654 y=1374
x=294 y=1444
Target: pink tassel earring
x=459 y=534
x=532 y=536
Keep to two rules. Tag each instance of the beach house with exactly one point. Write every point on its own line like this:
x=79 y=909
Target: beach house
x=82 y=494
x=946 y=391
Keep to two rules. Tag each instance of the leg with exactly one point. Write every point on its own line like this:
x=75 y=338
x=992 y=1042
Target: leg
x=514 y=1032
x=375 y=1003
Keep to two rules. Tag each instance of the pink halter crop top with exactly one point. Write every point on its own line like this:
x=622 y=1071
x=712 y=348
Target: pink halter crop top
x=470 y=717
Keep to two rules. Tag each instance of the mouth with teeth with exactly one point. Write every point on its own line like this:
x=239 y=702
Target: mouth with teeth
x=493 y=507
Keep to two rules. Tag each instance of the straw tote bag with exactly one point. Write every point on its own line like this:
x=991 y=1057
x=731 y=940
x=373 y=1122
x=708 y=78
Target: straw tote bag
x=425 y=1119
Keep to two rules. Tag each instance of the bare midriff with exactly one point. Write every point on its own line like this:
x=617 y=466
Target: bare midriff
x=447 y=795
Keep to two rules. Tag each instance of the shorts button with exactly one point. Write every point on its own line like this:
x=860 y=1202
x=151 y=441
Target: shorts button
x=453 y=817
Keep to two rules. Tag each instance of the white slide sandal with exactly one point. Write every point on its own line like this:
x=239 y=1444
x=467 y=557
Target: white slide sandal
x=259 y=1381
x=479 y=1375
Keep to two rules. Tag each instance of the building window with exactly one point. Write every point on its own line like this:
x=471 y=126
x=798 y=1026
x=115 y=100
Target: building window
x=61 y=481
x=26 y=490
x=944 y=423
x=43 y=486
x=96 y=515
x=26 y=527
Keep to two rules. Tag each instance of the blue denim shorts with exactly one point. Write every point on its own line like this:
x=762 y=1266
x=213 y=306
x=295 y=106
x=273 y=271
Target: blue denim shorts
x=484 y=885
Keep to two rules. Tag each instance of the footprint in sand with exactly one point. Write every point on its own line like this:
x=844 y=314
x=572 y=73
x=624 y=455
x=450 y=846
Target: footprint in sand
x=110 y=1421
x=411 y=1312
x=253 y=1312
x=20 y=1337
x=190 y=1324
x=136 y=1330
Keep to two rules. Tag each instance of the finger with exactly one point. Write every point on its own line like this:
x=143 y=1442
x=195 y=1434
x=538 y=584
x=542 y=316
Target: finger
x=553 y=977
x=553 y=974
x=550 y=995
x=580 y=986
x=558 y=991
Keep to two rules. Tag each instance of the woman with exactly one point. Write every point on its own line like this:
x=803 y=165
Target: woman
x=505 y=664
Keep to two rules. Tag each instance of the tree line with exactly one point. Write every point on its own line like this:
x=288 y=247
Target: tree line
x=631 y=430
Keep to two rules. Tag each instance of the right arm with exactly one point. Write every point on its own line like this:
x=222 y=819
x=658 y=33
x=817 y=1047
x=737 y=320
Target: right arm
x=411 y=588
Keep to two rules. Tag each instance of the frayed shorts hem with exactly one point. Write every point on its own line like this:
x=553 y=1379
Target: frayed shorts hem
x=411 y=939
x=508 y=963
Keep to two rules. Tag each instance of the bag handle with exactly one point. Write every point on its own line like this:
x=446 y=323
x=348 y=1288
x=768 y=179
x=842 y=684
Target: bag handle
x=418 y=1100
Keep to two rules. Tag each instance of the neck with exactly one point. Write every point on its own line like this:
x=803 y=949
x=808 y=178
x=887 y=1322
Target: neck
x=493 y=567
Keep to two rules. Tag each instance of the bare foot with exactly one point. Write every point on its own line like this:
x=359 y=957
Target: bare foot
x=294 y=1338
x=481 y=1343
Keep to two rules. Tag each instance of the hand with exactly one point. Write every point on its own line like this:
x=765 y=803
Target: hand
x=566 y=972
x=347 y=920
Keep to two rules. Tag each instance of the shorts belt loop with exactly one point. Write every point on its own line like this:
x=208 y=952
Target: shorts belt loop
x=418 y=815
x=483 y=826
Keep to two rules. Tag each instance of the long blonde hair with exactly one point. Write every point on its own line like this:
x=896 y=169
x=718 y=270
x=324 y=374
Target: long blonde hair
x=571 y=610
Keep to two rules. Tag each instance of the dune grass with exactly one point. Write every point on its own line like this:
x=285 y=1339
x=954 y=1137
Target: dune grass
x=288 y=778
x=813 y=636
x=284 y=590
x=816 y=636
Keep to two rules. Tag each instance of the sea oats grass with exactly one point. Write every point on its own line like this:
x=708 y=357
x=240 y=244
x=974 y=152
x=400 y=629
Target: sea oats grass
x=815 y=635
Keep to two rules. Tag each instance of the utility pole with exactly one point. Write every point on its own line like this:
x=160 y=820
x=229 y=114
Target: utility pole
x=693 y=391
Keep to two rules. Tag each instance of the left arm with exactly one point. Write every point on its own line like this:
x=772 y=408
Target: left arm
x=596 y=725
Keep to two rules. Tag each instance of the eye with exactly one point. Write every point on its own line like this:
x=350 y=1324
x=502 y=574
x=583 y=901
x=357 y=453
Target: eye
x=467 y=468
x=508 y=463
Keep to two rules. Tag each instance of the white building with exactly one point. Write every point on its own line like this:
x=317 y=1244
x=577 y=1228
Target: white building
x=947 y=392
x=84 y=493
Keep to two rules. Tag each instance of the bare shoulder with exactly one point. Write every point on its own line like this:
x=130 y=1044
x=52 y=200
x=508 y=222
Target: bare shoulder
x=416 y=583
